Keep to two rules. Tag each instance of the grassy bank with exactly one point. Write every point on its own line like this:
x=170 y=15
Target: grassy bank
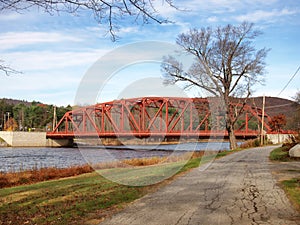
x=281 y=154
x=64 y=201
x=10 y=179
x=292 y=186
x=83 y=199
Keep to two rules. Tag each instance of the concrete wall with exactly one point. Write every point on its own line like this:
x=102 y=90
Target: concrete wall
x=59 y=143
x=31 y=139
x=279 y=138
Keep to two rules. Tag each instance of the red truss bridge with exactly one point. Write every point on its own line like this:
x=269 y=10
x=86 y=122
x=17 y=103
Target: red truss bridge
x=164 y=117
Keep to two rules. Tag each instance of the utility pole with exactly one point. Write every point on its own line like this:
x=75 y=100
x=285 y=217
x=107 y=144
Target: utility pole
x=3 y=124
x=23 y=125
x=54 y=118
x=7 y=121
x=262 y=122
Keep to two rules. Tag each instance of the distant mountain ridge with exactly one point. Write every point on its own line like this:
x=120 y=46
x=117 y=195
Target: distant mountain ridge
x=275 y=105
x=15 y=101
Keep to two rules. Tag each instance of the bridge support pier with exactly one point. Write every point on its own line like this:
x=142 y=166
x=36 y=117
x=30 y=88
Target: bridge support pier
x=32 y=139
x=60 y=142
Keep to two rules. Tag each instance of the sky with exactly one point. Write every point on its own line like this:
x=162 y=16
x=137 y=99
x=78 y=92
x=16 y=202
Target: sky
x=56 y=53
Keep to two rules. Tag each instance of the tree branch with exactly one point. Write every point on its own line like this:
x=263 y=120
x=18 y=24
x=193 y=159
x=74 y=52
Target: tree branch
x=7 y=69
x=105 y=11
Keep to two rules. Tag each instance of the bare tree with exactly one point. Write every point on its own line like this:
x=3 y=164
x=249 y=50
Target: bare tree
x=226 y=64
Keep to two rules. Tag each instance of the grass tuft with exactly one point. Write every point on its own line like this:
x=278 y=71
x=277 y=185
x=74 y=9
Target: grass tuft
x=281 y=154
x=292 y=187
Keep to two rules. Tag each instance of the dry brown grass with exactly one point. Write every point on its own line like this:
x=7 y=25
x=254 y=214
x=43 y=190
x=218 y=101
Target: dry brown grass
x=37 y=175
x=154 y=160
x=148 y=161
x=250 y=143
x=11 y=179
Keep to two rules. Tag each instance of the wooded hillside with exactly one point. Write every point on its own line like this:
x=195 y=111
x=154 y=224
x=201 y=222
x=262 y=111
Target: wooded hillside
x=23 y=115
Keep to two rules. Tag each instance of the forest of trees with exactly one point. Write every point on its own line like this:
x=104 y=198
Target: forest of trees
x=28 y=116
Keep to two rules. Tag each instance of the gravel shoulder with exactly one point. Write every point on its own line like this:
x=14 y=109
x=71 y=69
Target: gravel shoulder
x=237 y=189
x=285 y=170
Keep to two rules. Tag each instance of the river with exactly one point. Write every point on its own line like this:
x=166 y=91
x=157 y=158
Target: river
x=17 y=159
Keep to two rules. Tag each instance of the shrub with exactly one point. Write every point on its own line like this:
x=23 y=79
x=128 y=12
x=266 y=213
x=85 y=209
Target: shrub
x=43 y=174
x=250 y=143
x=280 y=154
x=3 y=181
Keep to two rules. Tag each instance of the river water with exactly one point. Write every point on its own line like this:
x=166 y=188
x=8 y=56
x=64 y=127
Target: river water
x=16 y=159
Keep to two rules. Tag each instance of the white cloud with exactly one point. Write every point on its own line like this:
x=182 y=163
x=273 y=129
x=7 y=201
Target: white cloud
x=51 y=87
x=165 y=10
x=261 y=15
x=127 y=30
x=49 y=60
x=9 y=17
x=15 y=39
x=224 y=6
x=212 y=19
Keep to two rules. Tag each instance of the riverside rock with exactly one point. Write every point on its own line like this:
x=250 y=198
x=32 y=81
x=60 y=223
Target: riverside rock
x=295 y=151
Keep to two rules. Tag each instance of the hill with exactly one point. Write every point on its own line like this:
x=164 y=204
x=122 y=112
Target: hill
x=23 y=115
x=34 y=110
x=10 y=101
x=275 y=105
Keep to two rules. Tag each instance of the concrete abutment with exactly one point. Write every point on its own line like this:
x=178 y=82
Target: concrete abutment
x=32 y=139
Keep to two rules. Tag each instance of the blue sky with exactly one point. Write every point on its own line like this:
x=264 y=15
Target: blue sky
x=55 y=51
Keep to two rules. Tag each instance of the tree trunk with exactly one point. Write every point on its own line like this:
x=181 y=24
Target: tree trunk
x=232 y=139
x=229 y=120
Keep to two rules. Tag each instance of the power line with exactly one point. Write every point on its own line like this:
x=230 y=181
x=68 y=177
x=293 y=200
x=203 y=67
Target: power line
x=277 y=106
x=289 y=81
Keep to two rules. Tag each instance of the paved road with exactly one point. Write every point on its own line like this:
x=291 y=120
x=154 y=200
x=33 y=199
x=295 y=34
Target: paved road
x=237 y=189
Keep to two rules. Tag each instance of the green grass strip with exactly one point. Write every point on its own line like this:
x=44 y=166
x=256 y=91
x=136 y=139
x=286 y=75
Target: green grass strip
x=77 y=199
x=280 y=154
x=292 y=187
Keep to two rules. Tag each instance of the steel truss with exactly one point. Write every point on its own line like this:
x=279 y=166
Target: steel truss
x=157 y=117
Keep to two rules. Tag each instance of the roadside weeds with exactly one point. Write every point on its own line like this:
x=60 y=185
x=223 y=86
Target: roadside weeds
x=287 y=172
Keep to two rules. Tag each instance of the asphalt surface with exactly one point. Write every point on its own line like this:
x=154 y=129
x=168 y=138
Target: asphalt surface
x=237 y=189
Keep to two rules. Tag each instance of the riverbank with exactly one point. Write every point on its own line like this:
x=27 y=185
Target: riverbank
x=83 y=199
x=14 y=159
x=10 y=179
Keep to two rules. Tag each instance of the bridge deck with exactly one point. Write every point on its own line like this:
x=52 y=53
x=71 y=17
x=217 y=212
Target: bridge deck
x=200 y=135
